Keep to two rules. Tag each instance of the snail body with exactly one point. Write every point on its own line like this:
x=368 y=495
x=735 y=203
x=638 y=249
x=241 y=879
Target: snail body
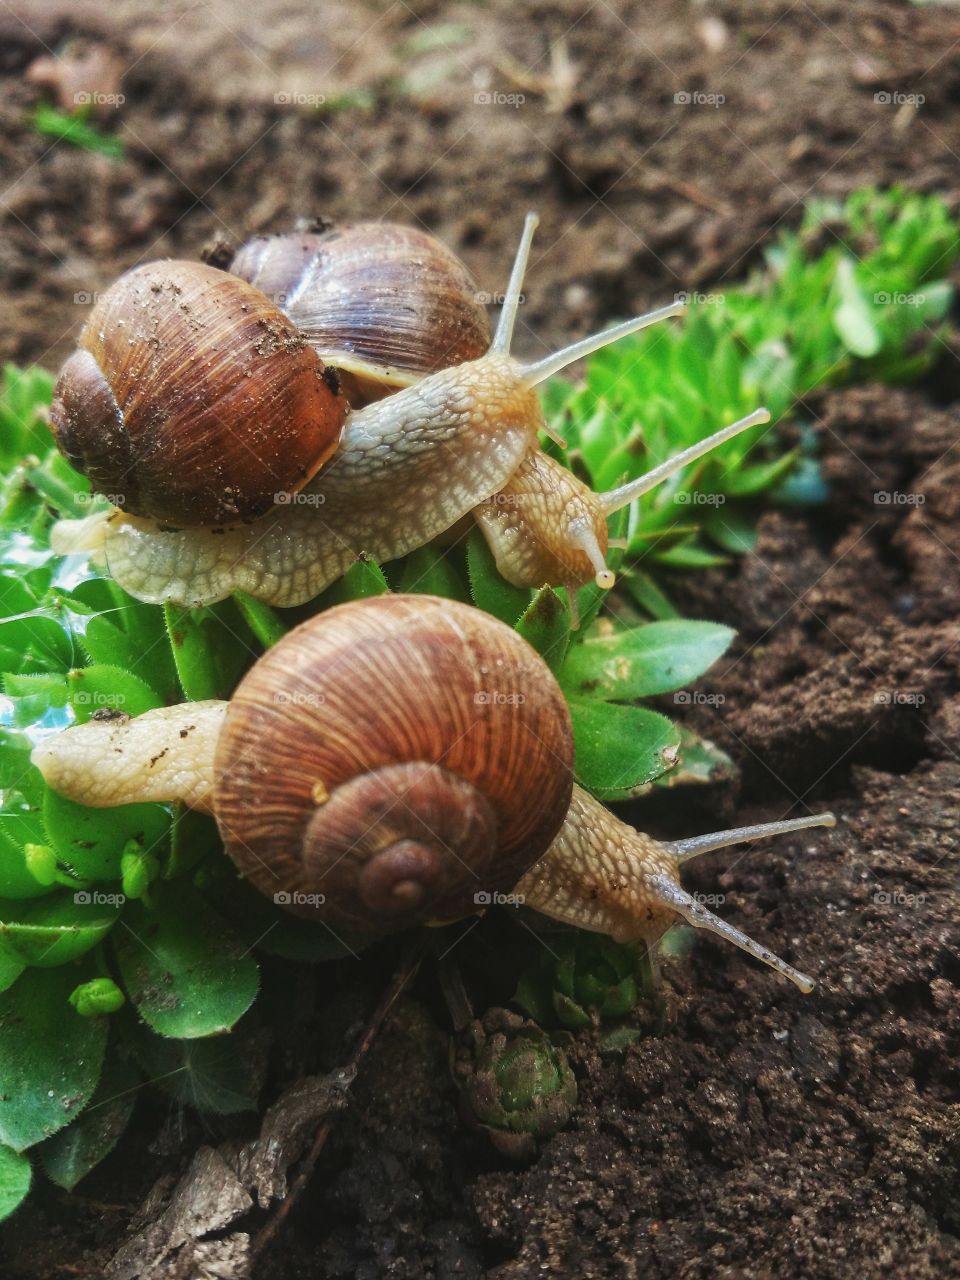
x=410 y=463
x=397 y=761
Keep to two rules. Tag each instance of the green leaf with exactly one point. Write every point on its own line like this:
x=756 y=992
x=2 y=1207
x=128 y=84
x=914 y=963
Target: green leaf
x=657 y=657
x=221 y=1074
x=73 y=129
x=489 y=590
x=363 y=579
x=108 y=688
x=649 y=596
x=689 y=556
x=108 y=644
x=188 y=973
x=756 y=479
x=23 y=876
x=10 y=970
x=853 y=318
x=265 y=623
x=429 y=571
x=193 y=837
x=193 y=639
x=47 y=932
x=50 y=1057
x=16 y=1174
x=69 y=1155
x=96 y=997
x=91 y=842
x=545 y=624
x=620 y=750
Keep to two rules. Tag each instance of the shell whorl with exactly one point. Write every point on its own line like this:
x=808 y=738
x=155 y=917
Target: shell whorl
x=391 y=759
x=384 y=304
x=193 y=399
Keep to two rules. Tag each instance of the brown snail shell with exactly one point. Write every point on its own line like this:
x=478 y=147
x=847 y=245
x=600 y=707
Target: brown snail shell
x=383 y=303
x=193 y=399
x=391 y=759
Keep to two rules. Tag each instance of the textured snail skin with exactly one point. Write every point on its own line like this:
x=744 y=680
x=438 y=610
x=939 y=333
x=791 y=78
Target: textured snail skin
x=528 y=525
x=192 y=399
x=383 y=303
x=164 y=755
x=596 y=875
x=407 y=468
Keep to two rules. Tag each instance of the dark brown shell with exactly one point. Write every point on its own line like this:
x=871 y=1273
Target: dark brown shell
x=399 y=758
x=383 y=303
x=193 y=399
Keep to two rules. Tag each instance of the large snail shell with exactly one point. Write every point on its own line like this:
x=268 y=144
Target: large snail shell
x=193 y=399
x=383 y=303
x=390 y=760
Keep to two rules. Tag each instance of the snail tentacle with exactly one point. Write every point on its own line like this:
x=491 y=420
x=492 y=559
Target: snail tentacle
x=602 y=875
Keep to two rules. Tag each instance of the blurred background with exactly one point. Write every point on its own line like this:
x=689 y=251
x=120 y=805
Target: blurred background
x=661 y=142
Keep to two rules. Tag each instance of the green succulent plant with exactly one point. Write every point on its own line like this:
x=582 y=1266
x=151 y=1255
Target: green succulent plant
x=584 y=979
x=515 y=1084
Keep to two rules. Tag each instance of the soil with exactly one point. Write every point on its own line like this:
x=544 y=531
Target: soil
x=764 y=1133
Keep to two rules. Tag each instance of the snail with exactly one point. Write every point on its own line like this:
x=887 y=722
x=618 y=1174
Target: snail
x=407 y=467
x=398 y=761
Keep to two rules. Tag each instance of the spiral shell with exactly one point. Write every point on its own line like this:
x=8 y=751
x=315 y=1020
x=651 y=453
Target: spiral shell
x=391 y=762
x=193 y=399
x=383 y=303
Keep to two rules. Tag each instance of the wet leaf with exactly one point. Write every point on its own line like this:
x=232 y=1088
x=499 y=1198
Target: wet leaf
x=657 y=657
x=51 y=931
x=50 y=1057
x=184 y=968
x=69 y=1155
x=16 y=1174
x=619 y=750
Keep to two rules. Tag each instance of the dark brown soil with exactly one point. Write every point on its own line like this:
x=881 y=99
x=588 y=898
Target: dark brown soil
x=765 y=1133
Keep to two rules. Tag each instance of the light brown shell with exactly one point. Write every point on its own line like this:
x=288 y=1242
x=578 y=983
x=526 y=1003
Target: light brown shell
x=383 y=303
x=193 y=399
x=392 y=761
